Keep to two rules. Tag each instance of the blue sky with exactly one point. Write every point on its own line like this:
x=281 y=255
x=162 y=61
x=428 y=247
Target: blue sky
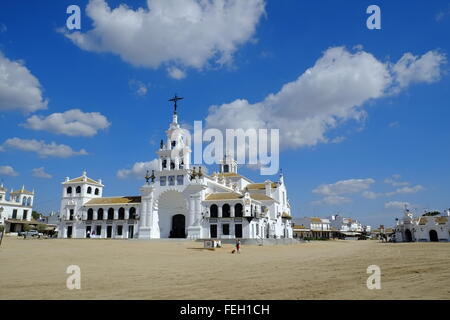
x=386 y=141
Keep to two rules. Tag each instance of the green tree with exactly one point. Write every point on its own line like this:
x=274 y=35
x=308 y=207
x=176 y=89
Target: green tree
x=431 y=214
x=36 y=215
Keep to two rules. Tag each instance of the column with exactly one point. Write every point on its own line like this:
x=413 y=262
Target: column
x=127 y=214
x=116 y=214
x=94 y=216
x=231 y=211
x=191 y=210
x=219 y=211
x=198 y=209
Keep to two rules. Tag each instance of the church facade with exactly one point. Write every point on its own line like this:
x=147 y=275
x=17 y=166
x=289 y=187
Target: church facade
x=423 y=228
x=178 y=201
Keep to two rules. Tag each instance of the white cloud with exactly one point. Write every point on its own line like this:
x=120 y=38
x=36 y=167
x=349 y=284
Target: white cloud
x=331 y=92
x=8 y=171
x=19 y=89
x=40 y=173
x=344 y=187
x=176 y=73
x=72 y=123
x=413 y=69
x=138 y=170
x=332 y=200
x=372 y=195
x=414 y=189
x=396 y=204
x=138 y=87
x=3 y=28
x=189 y=33
x=42 y=149
x=394 y=181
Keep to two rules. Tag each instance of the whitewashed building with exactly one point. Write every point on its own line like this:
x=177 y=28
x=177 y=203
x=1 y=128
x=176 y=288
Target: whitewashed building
x=312 y=227
x=178 y=201
x=423 y=228
x=15 y=209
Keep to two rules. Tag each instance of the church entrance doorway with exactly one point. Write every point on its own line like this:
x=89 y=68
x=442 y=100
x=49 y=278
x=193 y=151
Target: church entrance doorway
x=109 y=231
x=408 y=235
x=213 y=230
x=178 y=226
x=69 y=232
x=434 y=236
x=238 y=230
x=130 y=231
x=172 y=207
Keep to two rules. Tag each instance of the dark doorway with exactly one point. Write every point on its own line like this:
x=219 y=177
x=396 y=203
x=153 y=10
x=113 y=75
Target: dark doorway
x=408 y=235
x=98 y=231
x=88 y=231
x=69 y=232
x=109 y=231
x=213 y=230
x=130 y=231
x=238 y=230
x=178 y=226
x=434 y=236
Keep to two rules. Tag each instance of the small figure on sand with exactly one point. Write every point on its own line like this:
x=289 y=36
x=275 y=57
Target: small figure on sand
x=238 y=246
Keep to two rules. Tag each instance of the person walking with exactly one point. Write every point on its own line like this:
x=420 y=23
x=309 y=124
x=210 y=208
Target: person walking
x=238 y=246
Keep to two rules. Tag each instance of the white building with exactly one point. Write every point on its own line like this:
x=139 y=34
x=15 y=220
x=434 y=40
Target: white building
x=16 y=209
x=312 y=227
x=178 y=201
x=423 y=228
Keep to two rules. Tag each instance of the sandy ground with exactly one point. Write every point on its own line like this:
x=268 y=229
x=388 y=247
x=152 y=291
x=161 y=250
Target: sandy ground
x=133 y=269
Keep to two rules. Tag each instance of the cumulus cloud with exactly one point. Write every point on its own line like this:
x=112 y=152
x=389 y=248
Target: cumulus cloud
x=176 y=73
x=138 y=170
x=19 y=88
x=414 y=189
x=332 y=200
x=331 y=92
x=8 y=171
x=72 y=123
x=344 y=187
x=394 y=181
x=413 y=69
x=189 y=33
x=138 y=87
x=333 y=192
x=41 y=148
x=396 y=204
x=40 y=173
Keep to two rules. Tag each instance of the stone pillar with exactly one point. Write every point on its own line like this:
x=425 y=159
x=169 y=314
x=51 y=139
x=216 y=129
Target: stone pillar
x=198 y=209
x=94 y=215
x=147 y=222
x=219 y=211
x=127 y=214
x=116 y=214
x=191 y=210
x=231 y=211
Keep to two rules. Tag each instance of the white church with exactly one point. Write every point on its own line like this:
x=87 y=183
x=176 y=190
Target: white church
x=178 y=201
x=423 y=228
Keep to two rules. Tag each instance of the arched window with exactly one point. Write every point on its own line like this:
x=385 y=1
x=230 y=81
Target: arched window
x=226 y=210
x=172 y=165
x=24 y=201
x=238 y=210
x=164 y=164
x=121 y=214
x=89 y=190
x=69 y=190
x=90 y=214
x=110 y=213
x=100 y=214
x=96 y=191
x=214 y=211
x=78 y=190
x=29 y=201
x=132 y=213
